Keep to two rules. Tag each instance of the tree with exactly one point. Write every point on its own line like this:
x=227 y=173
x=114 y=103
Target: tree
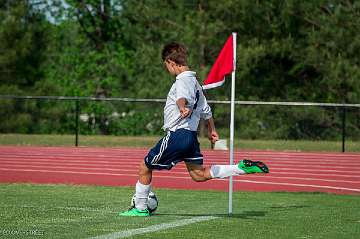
x=23 y=38
x=287 y=51
x=23 y=32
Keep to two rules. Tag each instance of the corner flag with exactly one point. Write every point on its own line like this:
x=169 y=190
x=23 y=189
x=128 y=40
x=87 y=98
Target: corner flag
x=224 y=65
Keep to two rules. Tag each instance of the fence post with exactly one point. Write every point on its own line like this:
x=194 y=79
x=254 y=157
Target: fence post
x=343 y=128
x=77 y=122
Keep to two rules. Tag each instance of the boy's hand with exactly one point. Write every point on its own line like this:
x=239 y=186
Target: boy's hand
x=213 y=136
x=185 y=112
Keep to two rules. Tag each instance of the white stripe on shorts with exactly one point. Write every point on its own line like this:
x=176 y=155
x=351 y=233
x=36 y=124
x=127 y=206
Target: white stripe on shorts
x=164 y=145
x=193 y=158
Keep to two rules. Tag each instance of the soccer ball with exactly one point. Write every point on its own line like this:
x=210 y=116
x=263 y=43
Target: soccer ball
x=152 y=202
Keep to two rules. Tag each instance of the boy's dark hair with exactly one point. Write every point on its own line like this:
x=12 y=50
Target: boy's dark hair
x=176 y=52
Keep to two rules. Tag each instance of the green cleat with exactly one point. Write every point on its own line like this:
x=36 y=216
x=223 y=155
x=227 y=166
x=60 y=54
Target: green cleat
x=134 y=212
x=253 y=167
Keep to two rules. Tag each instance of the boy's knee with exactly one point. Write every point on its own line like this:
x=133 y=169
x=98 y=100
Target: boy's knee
x=198 y=176
x=198 y=179
x=198 y=173
x=143 y=169
x=145 y=174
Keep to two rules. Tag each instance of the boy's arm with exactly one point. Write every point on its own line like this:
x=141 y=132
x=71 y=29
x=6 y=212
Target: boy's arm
x=212 y=134
x=184 y=112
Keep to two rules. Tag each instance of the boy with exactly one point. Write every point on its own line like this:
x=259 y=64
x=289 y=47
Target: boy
x=185 y=105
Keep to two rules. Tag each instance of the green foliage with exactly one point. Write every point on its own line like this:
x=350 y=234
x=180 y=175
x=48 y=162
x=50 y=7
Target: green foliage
x=120 y=119
x=137 y=123
x=22 y=40
x=287 y=51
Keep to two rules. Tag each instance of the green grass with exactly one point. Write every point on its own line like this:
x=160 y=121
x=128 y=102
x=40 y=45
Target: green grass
x=60 y=211
x=149 y=141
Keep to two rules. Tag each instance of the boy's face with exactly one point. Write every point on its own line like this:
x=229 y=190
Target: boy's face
x=170 y=66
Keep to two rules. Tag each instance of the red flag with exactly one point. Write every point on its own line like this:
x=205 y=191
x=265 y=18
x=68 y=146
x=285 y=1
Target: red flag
x=224 y=65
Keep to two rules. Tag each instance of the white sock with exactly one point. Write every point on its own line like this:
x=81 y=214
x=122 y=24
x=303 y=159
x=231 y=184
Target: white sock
x=224 y=171
x=142 y=193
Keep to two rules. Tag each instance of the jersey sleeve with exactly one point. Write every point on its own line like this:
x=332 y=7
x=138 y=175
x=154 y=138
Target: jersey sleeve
x=185 y=89
x=206 y=110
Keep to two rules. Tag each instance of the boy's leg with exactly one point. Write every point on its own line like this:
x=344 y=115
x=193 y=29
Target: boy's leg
x=143 y=186
x=142 y=190
x=224 y=171
x=199 y=173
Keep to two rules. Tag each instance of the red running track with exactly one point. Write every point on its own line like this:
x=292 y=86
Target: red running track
x=289 y=171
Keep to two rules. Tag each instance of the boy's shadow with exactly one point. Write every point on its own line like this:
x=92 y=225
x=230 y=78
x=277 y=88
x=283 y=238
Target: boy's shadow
x=243 y=215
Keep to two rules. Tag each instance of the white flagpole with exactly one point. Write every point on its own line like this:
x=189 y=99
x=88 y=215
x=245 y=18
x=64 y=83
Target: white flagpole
x=232 y=123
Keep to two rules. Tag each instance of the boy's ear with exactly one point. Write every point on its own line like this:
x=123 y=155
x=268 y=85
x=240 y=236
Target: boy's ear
x=170 y=62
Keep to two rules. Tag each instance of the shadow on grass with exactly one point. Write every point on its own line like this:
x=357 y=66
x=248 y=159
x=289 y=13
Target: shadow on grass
x=288 y=207
x=243 y=215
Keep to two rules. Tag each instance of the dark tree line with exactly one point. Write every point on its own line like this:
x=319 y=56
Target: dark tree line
x=287 y=51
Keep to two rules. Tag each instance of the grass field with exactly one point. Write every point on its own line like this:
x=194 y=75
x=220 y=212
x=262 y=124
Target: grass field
x=68 y=211
x=149 y=141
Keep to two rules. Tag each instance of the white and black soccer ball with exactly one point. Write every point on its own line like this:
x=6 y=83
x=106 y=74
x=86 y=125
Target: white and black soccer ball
x=152 y=202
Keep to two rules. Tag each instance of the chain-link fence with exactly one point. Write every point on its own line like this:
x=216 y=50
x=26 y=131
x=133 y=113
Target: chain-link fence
x=254 y=120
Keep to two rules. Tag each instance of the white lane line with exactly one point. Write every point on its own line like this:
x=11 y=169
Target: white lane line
x=175 y=172
x=299 y=185
x=313 y=179
x=123 y=155
x=276 y=169
x=174 y=177
x=132 y=162
x=107 y=153
x=316 y=174
x=305 y=165
x=115 y=150
x=288 y=153
x=312 y=170
x=216 y=157
x=98 y=163
x=154 y=228
x=93 y=157
x=69 y=172
x=210 y=157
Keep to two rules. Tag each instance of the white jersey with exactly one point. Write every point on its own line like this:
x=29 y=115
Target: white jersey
x=186 y=86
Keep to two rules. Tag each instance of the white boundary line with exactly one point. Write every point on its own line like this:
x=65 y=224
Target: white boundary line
x=72 y=208
x=154 y=228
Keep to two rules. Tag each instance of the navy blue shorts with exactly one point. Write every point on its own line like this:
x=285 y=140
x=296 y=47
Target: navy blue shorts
x=181 y=145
